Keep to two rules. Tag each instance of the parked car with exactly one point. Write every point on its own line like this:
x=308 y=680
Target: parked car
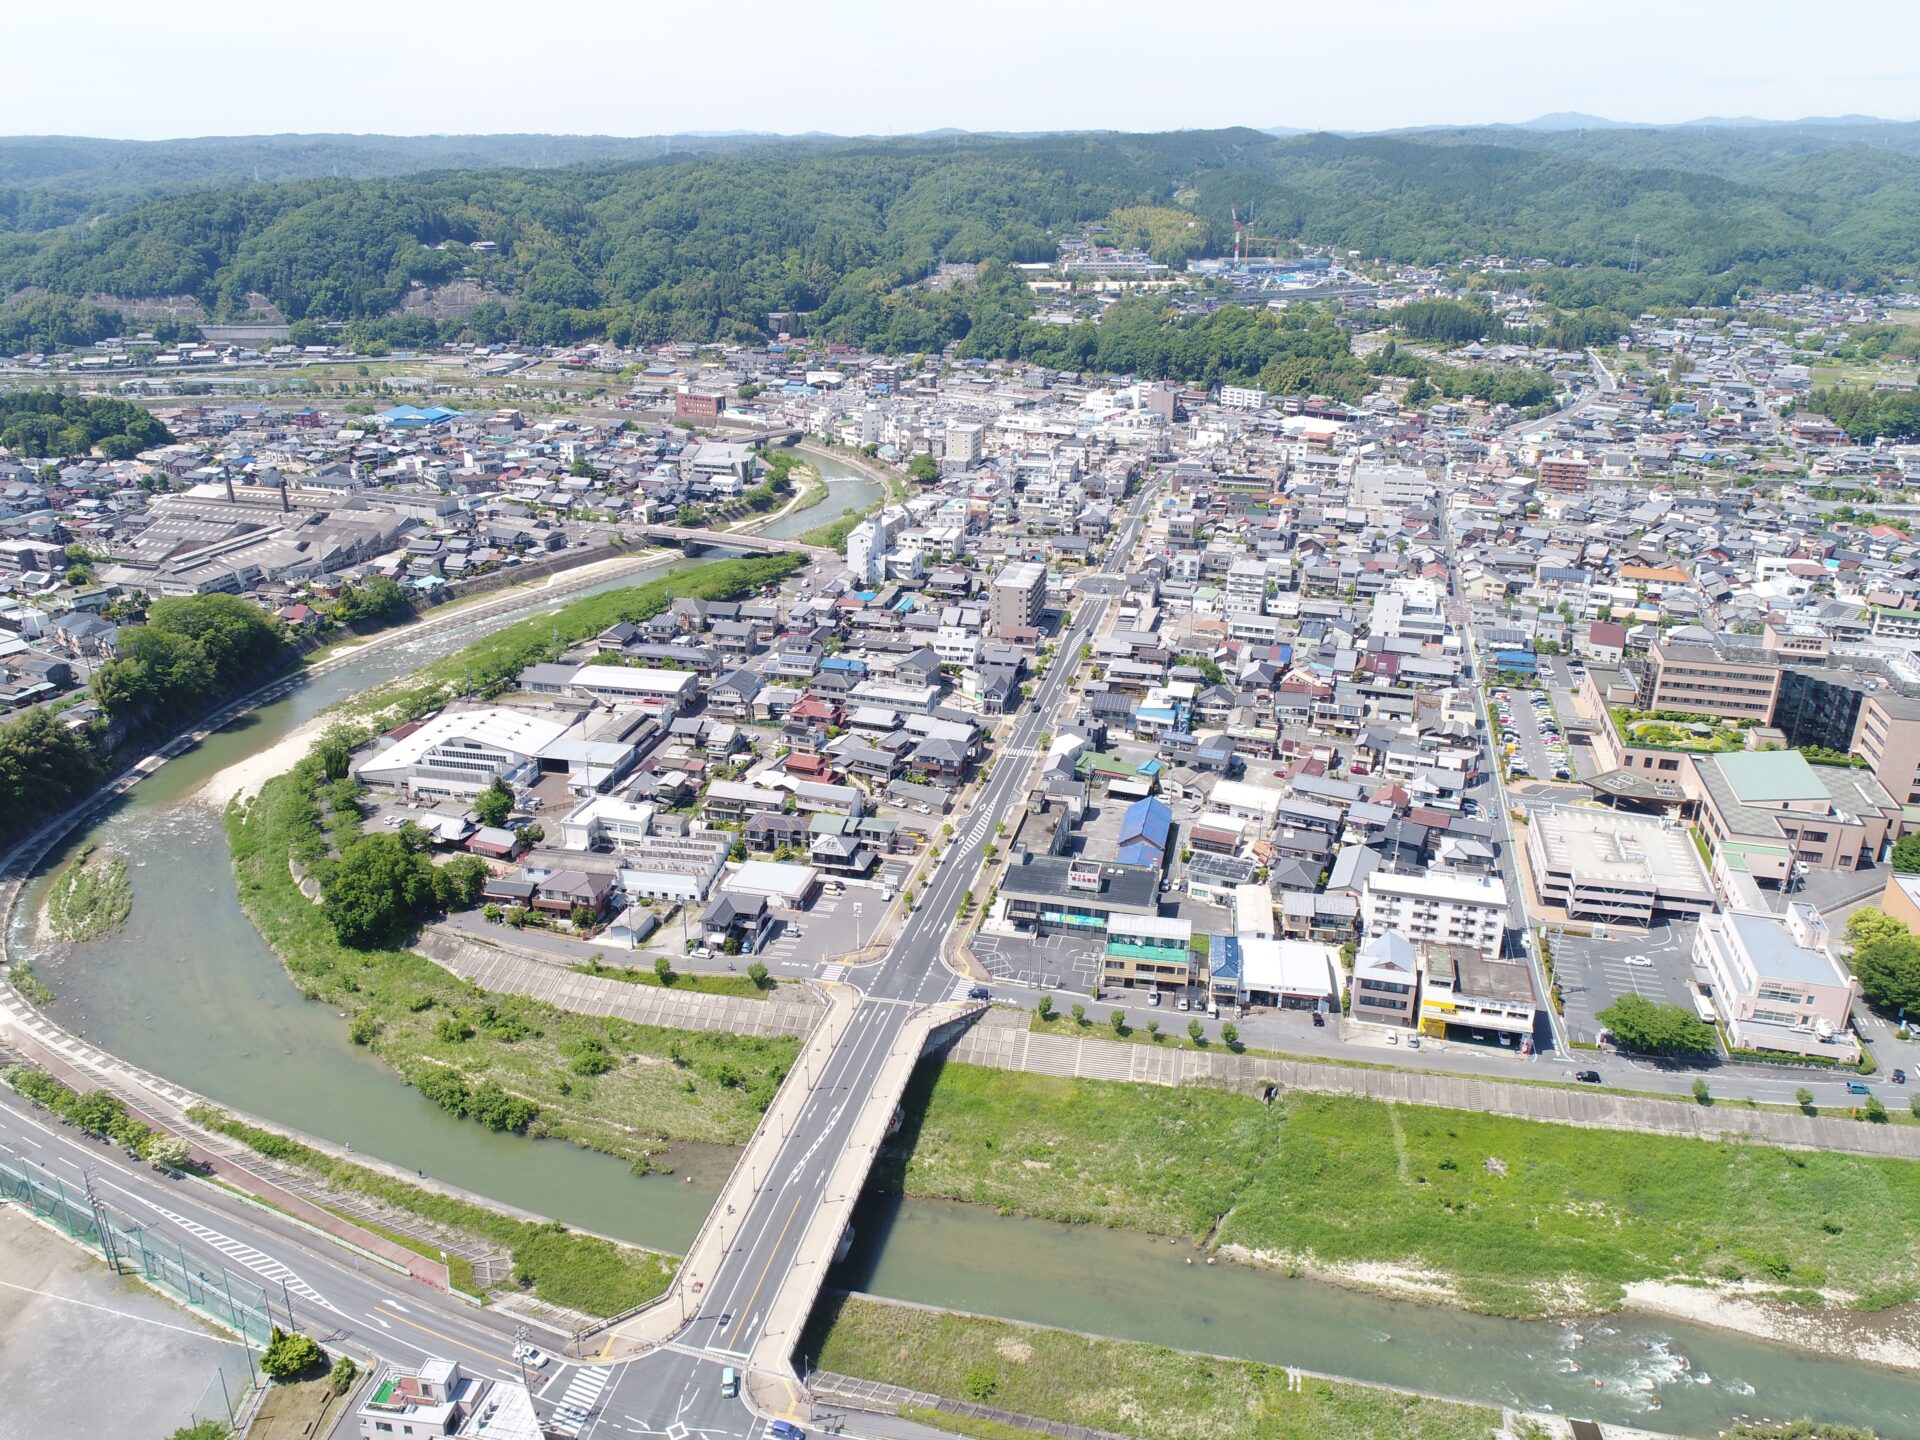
x=1591 y=1077
x=1899 y=1077
x=1319 y=1020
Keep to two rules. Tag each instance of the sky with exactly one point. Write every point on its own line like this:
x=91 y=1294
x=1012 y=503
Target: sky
x=874 y=67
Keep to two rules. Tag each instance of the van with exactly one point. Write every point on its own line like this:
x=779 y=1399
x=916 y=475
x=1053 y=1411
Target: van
x=729 y=1383
x=1858 y=1087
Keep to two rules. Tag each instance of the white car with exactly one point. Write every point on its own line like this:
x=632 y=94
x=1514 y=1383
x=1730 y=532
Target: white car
x=531 y=1358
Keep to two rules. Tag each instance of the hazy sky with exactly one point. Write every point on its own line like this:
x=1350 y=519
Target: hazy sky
x=638 y=67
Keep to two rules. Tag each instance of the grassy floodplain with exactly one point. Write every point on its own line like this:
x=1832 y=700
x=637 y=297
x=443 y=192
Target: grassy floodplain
x=1505 y=1216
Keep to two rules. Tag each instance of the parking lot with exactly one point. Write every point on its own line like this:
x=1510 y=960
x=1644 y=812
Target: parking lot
x=1654 y=964
x=1540 y=749
x=1049 y=962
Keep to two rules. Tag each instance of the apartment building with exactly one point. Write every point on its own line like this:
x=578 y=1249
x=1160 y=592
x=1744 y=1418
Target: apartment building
x=1386 y=981
x=1776 y=984
x=1438 y=908
x=1019 y=596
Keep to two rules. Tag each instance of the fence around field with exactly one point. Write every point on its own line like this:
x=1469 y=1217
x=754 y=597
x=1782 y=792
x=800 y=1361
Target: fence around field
x=234 y=1301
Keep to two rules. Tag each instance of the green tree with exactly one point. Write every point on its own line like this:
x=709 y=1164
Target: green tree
x=1153 y=1030
x=1803 y=1097
x=375 y=889
x=1044 y=1009
x=1195 y=1033
x=1886 y=959
x=1646 y=1027
x=494 y=804
x=1874 y=1110
x=1079 y=1013
x=924 y=468
x=758 y=974
x=1230 y=1035
x=663 y=969
x=1906 y=854
x=291 y=1356
x=169 y=1152
x=1700 y=1091
x=335 y=750
x=1118 y=1020
x=205 y=1430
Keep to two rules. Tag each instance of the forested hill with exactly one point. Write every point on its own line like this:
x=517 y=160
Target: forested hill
x=708 y=246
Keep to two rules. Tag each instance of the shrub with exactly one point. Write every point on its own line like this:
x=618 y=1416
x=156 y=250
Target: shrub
x=289 y=1357
x=1700 y=1090
x=343 y=1374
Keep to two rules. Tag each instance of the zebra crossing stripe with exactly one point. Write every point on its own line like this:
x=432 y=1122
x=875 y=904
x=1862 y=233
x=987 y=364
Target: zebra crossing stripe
x=577 y=1400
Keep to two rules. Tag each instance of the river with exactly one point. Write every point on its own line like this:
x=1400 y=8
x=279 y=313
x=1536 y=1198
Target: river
x=189 y=990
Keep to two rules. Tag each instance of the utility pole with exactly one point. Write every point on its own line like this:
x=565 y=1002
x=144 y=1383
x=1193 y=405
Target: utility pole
x=101 y=1223
x=520 y=1353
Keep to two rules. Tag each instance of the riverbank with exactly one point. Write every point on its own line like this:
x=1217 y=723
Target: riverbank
x=1116 y=1385
x=1500 y=1216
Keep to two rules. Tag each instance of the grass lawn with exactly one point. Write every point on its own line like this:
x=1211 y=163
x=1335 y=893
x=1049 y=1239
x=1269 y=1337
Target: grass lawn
x=582 y=1272
x=739 y=986
x=1516 y=1217
x=91 y=896
x=289 y=1412
x=654 y=1085
x=1114 y=1385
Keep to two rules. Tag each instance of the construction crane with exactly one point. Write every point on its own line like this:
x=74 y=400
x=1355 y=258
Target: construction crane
x=1244 y=238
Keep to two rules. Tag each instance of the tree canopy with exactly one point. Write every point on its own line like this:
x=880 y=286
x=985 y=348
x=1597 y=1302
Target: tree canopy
x=48 y=423
x=1886 y=959
x=1646 y=1027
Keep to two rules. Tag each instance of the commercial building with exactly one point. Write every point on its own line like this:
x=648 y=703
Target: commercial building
x=459 y=753
x=1615 y=867
x=1282 y=974
x=1391 y=487
x=1466 y=993
x=1776 y=985
x=1148 y=952
x=1438 y=908
x=1019 y=596
x=1047 y=894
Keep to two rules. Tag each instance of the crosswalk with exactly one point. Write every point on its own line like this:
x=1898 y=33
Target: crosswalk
x=960 y=988
x=833 y=972
x=578 y=1399
x=264 y=1266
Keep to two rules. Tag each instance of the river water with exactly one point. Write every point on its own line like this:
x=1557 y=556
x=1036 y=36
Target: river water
x=189 y=990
